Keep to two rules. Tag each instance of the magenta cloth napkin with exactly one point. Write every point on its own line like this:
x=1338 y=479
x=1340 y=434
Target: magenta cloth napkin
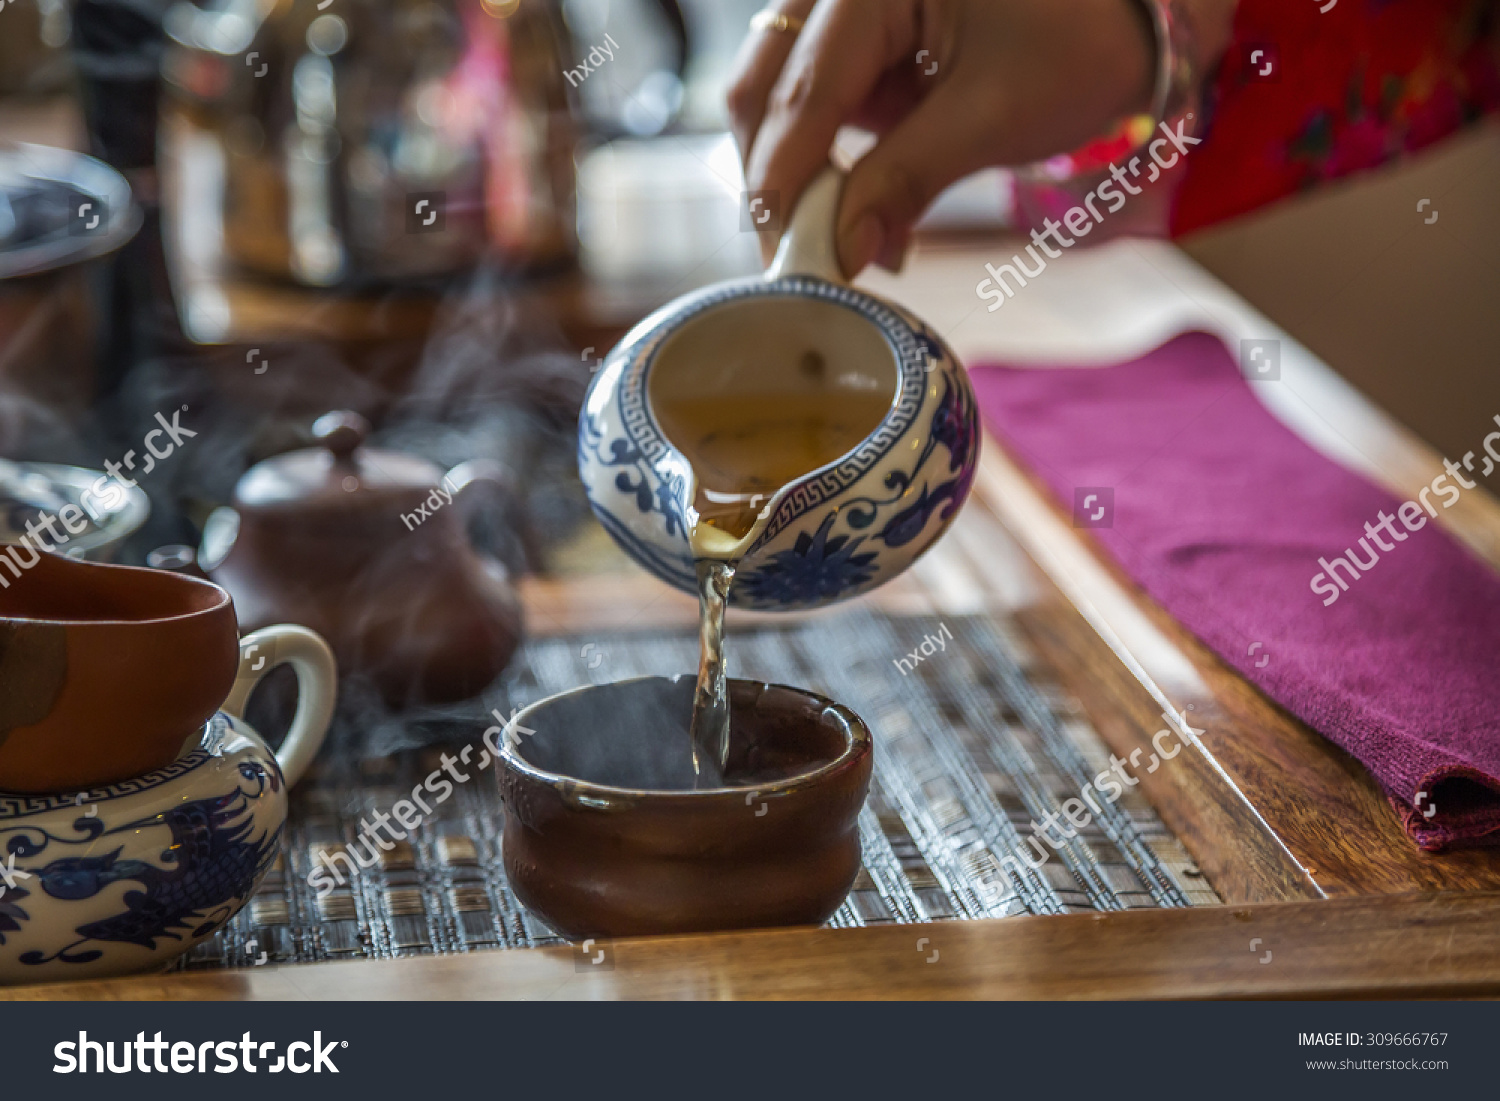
x=1222 y=514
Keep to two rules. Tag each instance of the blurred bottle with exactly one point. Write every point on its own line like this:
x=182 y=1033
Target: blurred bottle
x=391 y=141
x=117 y=46
x=33 y=49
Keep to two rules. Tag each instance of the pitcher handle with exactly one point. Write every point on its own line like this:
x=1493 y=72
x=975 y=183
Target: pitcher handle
x=810 y=245
x=317 y=689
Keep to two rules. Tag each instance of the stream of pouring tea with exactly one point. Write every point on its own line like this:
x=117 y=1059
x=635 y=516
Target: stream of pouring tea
x=743 y=449
x=710 y=729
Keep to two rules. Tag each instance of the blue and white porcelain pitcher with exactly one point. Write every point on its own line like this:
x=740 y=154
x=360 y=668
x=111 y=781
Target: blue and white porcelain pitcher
x=122 y=877
x=839 y=530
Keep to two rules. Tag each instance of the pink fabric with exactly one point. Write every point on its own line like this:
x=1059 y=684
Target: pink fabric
x=1222 y=514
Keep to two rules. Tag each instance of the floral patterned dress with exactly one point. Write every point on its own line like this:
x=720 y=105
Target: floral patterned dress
x=1313 y=90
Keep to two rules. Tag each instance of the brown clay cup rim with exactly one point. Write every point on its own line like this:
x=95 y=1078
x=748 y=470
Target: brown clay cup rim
x=167 y=581
x=857 y=746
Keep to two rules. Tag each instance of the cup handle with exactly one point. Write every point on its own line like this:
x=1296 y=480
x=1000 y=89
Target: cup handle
x=809 y=245
x=317 y=689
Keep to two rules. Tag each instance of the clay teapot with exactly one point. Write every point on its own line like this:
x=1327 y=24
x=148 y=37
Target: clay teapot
x=369 y=549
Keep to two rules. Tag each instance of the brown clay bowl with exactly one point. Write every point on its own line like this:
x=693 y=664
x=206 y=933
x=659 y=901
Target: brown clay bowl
x=778 y=845
x=105 y=671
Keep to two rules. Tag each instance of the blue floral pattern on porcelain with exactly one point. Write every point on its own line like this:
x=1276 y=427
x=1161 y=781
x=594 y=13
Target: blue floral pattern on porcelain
x=124 y=877
x=833 y=534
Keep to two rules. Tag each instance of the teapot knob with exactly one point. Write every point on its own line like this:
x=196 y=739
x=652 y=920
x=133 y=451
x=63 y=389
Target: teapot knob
x=343 y=433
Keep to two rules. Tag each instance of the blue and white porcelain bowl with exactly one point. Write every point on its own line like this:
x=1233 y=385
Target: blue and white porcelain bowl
x=123 y=878
x=840 y=530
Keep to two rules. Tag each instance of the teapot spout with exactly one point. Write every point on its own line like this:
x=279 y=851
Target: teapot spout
x=484 y=482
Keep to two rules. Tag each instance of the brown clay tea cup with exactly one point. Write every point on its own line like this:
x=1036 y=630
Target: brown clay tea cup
x=605 y=835
x=105 y=671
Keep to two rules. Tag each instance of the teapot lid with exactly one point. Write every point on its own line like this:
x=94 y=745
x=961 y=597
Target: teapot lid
x=341 y=475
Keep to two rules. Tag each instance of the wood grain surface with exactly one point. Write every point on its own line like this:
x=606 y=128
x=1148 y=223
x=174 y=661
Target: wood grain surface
x=1435 y=945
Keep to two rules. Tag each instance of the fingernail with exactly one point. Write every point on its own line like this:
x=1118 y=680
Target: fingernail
x=893 y=253
x=861 y=245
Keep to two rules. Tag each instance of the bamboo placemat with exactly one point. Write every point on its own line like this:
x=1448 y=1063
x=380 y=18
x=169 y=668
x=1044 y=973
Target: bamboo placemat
x=974 y=742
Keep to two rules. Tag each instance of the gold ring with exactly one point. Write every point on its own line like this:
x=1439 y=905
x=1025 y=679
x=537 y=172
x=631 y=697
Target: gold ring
x=768 y=20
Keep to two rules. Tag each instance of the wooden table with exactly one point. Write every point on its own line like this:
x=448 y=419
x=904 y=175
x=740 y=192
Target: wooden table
x=1298 y=840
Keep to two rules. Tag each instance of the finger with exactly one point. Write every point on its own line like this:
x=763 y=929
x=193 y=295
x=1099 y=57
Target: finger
x=890 y=102
x=892 y=255
x=889 y=188
x=756 y=68
x=836 y=64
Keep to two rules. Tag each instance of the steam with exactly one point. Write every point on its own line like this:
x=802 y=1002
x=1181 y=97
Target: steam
x=491 y=384
x=493 y=389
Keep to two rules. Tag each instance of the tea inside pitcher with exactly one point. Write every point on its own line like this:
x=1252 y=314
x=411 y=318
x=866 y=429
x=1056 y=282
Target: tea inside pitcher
x=754 y=403
x=744 y=449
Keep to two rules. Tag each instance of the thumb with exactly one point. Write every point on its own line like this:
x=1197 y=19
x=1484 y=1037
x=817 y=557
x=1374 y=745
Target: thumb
x=942 y=140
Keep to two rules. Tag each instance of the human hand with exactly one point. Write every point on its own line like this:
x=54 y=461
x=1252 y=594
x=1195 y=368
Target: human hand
x=1014 y=81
